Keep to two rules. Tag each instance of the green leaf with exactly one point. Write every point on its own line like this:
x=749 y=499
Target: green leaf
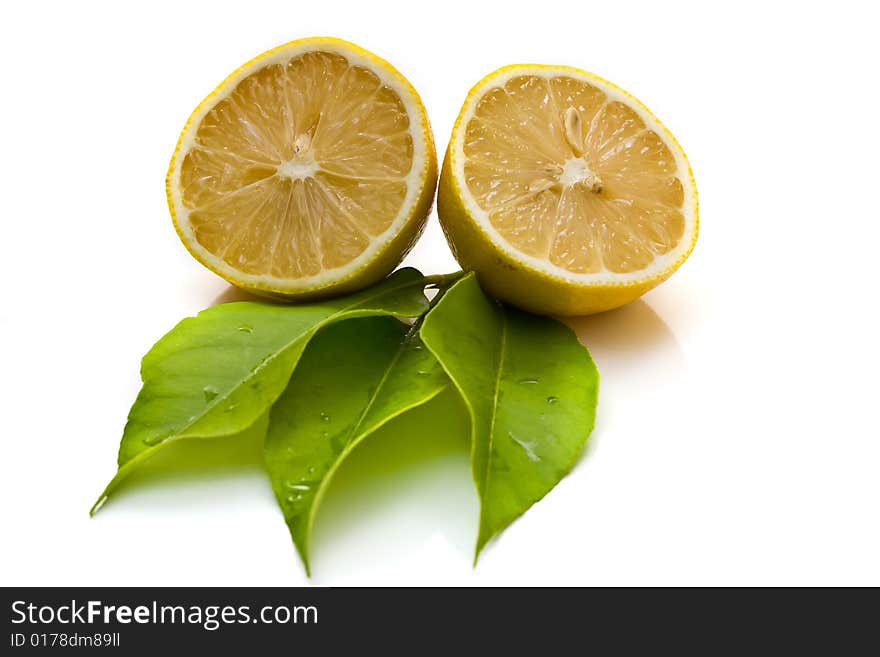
x=215 y=374
x=353 y=378
x=531 y=389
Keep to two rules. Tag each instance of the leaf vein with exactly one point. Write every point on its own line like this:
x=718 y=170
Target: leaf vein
x=501 y=352
x=352 y=437
x=271 y=358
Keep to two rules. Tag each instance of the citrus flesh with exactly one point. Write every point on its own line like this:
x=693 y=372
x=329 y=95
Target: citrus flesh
x=564 y=193
x=309 y=171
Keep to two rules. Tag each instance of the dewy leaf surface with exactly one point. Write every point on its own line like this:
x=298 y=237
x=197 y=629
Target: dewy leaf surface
x=531 y=389
x=215 y=374
x=353 y=378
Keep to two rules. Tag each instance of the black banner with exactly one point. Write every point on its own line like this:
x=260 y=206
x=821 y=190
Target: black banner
x=418 y=620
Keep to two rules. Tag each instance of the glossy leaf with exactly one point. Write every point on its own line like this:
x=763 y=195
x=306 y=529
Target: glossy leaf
x=353 y=378
x=215 y=374
x=531 y=389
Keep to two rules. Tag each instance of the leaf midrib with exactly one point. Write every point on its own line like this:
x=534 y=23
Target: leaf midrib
x=355 y=437
x=271 y=358
x=486 y=479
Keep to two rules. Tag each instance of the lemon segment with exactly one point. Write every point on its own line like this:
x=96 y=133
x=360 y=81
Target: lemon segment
x=563 y=192
x=309 y=171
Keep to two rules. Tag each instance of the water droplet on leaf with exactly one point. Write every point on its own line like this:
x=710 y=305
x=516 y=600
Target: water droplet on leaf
x=527 y=445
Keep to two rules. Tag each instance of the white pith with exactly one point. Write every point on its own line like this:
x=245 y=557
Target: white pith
x=298 y=168
x=576 y=170
x=573 y=172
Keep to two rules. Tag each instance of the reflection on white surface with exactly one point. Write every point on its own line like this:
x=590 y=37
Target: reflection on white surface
x=210 y=475
x=406 y=489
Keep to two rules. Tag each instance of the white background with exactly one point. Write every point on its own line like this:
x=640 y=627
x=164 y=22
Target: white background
x=737 y=439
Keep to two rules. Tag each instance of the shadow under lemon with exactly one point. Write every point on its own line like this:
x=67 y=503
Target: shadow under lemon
x=623 y=339
x=637 y=356
x=629 y=344
x=232 y=293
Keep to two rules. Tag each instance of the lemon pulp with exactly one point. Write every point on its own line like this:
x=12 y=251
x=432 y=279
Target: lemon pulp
x=308 y=168
x=571 y=177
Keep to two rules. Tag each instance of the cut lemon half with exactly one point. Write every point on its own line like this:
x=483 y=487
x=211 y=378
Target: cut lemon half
x=309 y=171
x=563 y=192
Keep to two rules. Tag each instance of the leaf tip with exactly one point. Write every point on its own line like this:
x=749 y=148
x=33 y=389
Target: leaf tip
x=97 y=505
x=105 y=494
x=303 y=552
x=481 y=543
x=306 y=565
